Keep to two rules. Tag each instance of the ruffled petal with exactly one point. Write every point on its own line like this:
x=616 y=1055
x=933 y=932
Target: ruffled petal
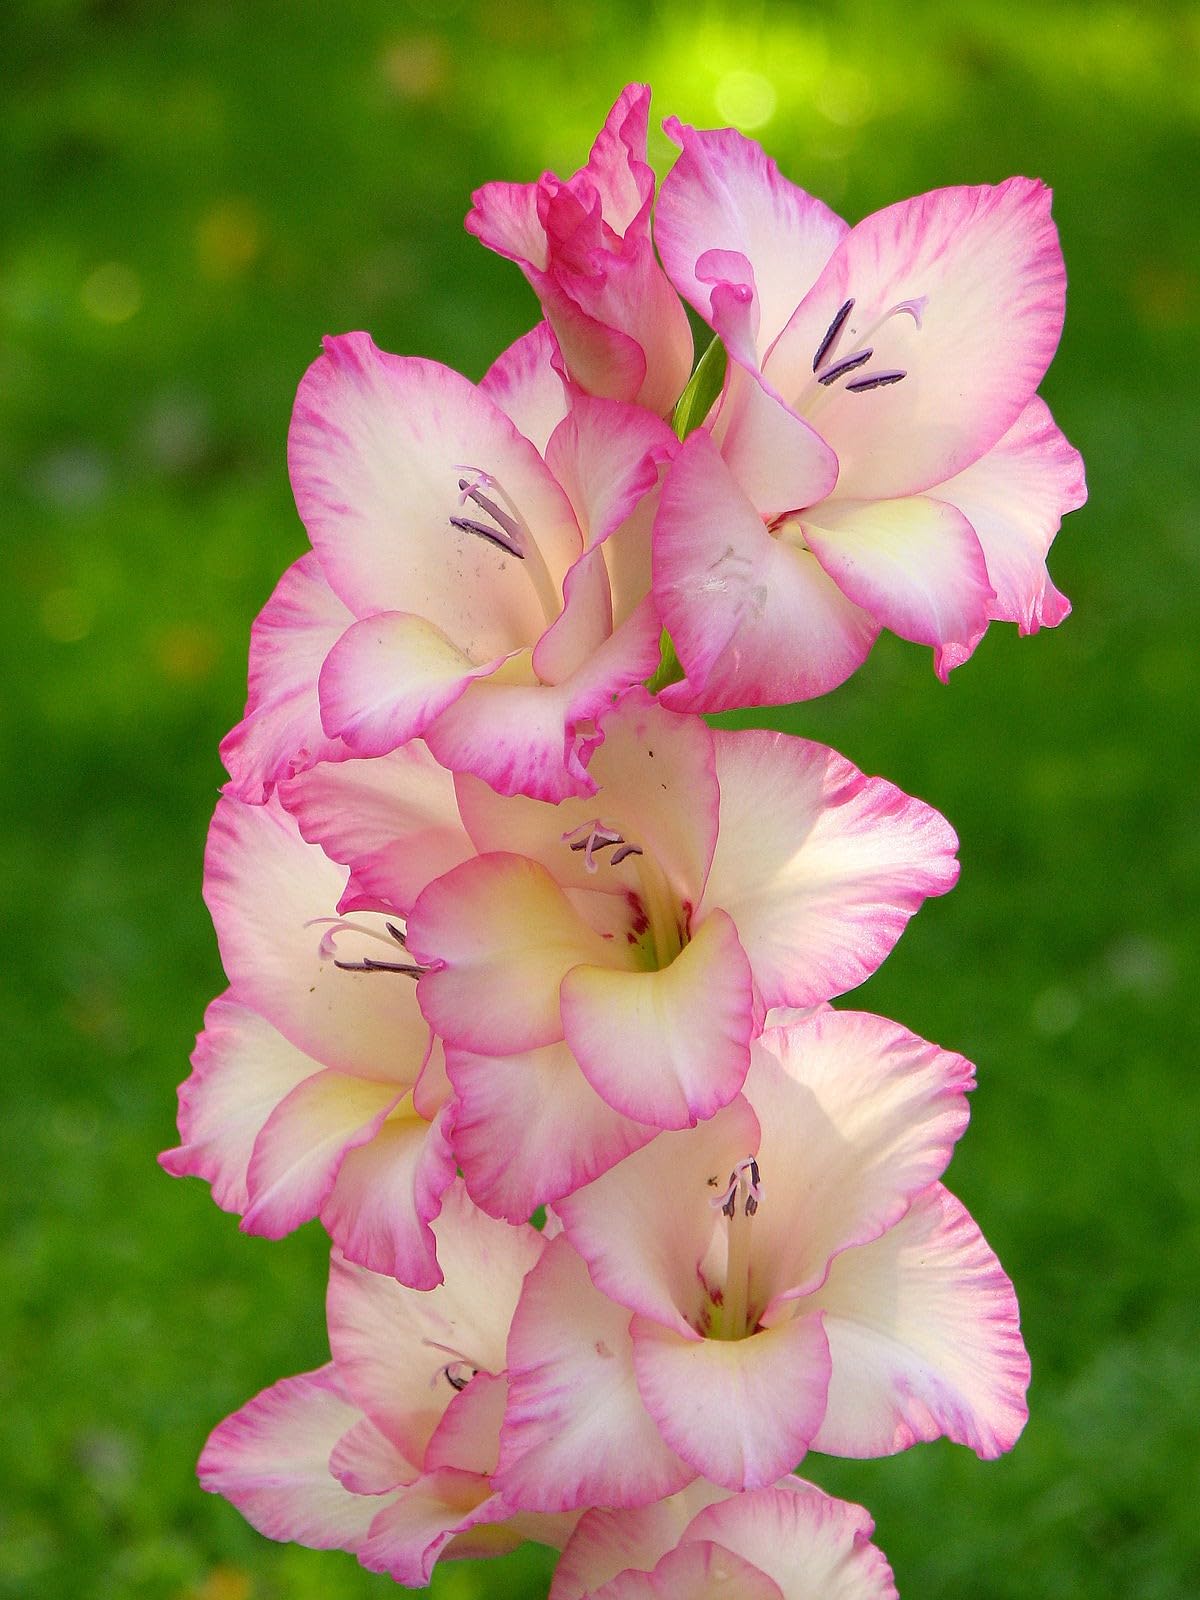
x=813 y=1546
x=393 y=820
x=915 y=565
x=499 y=934
x=858 y=1116
x=819 y=866
x=697 y=1570
x=303 y=1143
x=1014 y=497
x=743 y=1411
x=281 y=732
x=387 y=1193
x=576 y=1432
x=389 y=676
x=606 y=1543
x=242 y=1068
x=271 y=1460
x=754 y=619
x=392 y=1345
x=667 y=1047
x=524 y=381
x=925 y=1339
x=529 y=1129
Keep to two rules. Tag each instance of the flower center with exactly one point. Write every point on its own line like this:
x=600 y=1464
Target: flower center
x=659 y=919
x=833 y=365
x=730 y=1314
x=507 y=530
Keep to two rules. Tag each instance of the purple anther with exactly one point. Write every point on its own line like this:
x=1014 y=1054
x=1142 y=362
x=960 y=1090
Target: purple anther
x=626 y=850
x=398 y=934
x=492 y=535
x=874 y=380
x=410 y=969
x=835 y=327
x=847 y=364
x=590 y=837
x=485 y=503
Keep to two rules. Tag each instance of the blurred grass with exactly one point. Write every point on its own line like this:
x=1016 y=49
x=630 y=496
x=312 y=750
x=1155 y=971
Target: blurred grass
x=191 y=197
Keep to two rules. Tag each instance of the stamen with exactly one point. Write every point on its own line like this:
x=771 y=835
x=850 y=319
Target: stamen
x=338 y=925
x=398 y=934
x=846 y=364
x=874 y=380
x=626 y=850
x=835 y=327
x=468 y=525
x=410 y=969
x=726 y=1201
x=592 y=836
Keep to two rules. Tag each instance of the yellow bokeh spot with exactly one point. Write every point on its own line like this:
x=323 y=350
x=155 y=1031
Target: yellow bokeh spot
x=228 y=239
x=745 y=99
x=112 y=293
x=186 y=652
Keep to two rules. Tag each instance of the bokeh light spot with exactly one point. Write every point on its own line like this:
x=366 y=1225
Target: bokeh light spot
x=745 y=99
x=228 y=239
x=112 y=293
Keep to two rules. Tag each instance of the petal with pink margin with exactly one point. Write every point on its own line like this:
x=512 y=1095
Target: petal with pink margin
x=606 y=1543
x=813 y=1546
x=1014 y=497
x=858 y=1116
x=697 y=1570
x=741 y=1411
x=365 y=1461
x=537 y=739
x=925 y=1339
x=819 y=866
x=984 y=272
x=389 y=676
x=281 y=731
x=498 y=935
x=529 y=1129
x=725 y=193
x=468 y=1436
x=386 y=1194
x=393 y=820
x=576 y=1433
x=524 y=381
x=271 y=1460
x=915 y=565
x=242 y=1068
x=303 y=1143
x=409 y=1534
x=753 y=619
x=667 y=1047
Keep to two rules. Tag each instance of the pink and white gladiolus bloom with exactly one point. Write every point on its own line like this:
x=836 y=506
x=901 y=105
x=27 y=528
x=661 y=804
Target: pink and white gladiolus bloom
x=879 y=457
x=316 y=1090
x=599 y=969
x=584 y=245
x=789 y=1275
x=387 y=1451
x=786 y=1542
x=467 y=589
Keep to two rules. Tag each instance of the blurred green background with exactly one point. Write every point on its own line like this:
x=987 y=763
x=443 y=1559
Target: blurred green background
x=192 y=195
